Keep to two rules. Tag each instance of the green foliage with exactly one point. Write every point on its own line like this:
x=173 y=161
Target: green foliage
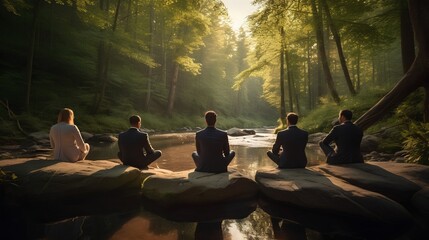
x=416 y=143
x=322 y=118
x=7 y=177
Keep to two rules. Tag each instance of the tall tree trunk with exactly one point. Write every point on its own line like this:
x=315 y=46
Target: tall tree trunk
x=30 y=53
x=339 y=47
x=358 y=69
x=407 y=38
x=295 y=94
x=115 y=20
x=310 y=86
x=282 y=79
x=172 y=92
x=151 y=47
x=129 y=13
x=104 y=52
x=289 y=80
x=418 y=74
x=318 y=26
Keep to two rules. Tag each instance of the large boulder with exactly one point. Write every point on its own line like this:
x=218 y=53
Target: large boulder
x=369 y=143
x=52 y=181
x=324 y=193
x=190 y=188
x=416 y=173
x=373 y=178
x=419 y=174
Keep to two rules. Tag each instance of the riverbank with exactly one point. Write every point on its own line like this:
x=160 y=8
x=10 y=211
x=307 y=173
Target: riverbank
x=37 y=145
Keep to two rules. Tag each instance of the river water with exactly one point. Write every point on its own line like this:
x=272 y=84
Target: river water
x=140 y=223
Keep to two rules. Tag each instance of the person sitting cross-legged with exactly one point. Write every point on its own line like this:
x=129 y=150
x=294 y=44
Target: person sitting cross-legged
x=132 y=143
x=213 y=154
x=347 y=138
x=292 y=141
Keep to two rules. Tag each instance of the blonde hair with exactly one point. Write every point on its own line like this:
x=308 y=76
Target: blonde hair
x=66 y=115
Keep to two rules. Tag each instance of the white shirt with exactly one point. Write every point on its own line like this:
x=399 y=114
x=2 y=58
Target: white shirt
x=67 y=142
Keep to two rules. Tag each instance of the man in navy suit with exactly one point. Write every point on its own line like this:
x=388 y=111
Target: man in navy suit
x=213 y=154
x=347 y=138
x=131 y=144
x=292 y=141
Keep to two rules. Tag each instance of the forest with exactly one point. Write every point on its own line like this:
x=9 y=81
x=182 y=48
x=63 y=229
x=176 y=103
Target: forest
x=171 y=60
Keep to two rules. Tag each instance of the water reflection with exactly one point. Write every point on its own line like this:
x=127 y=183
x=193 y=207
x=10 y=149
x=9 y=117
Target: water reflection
x=250 y=156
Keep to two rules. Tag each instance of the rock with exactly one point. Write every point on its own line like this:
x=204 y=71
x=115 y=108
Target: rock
x=51 y=181
x=324 y=193
x=86 y=136
x=39 y=135
x=249 y=131
x=416 y=173
x=108 y=138
x=373 y=178
x=236 y=132
x=401 y=153
x=399 y=160
x=190 y=188
x=316 y=137
x=369 y=143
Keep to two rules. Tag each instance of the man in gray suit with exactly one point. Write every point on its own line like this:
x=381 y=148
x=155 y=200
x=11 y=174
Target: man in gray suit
x=131 y=144
x=347 y=138
x=213 y=154
x=292 y=141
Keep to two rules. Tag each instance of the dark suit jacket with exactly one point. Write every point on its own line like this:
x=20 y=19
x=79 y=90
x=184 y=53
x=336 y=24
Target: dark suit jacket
x=347 y=138
x=131 y=144
x=212 y=148
x=293 y=142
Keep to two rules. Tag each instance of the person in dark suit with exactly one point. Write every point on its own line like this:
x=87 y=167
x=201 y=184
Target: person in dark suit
x=213 y=154
x=347 y=138
x=292 y=141
x=131 y=144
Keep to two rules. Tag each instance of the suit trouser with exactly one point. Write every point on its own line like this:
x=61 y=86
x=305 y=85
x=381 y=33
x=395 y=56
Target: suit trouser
x=227 y=159
x=146 y=161
x=287 y=164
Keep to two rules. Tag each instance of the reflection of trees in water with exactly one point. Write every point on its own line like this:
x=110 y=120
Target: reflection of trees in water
x=249 y=160
x=256 y=226
x=104 y=226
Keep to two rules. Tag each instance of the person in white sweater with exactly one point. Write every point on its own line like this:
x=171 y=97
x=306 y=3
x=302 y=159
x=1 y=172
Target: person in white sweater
x=66 y=139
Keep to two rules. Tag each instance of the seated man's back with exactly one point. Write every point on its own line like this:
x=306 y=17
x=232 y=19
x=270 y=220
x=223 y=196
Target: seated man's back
x=347 y=138
x=131 y=144
x=213 y=153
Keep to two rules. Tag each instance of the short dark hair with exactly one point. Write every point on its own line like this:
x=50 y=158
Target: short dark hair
x=347 y=114
x=210 y=118
x=292 y=118
x=135 y=119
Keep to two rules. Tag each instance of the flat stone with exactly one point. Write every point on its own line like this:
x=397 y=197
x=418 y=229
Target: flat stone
x=53 y=181
x=417 y=173
x=324 y=193
x=373 y=178
x=198 y=188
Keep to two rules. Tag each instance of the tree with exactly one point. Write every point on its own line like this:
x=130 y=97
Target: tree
x=337 y=39
x=318 y=27
x=186 y=27
x=418 y=74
